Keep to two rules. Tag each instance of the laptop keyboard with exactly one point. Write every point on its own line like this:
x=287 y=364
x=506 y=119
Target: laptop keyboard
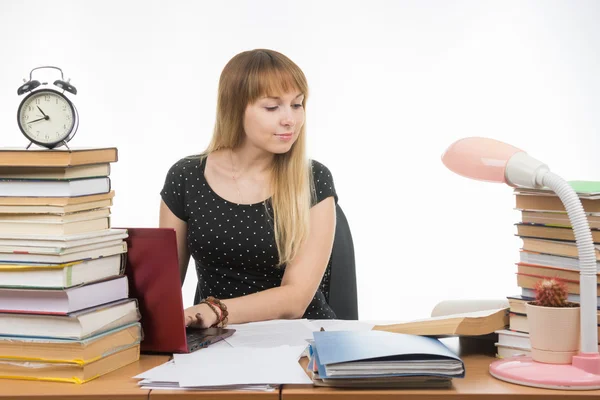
x=197 y=339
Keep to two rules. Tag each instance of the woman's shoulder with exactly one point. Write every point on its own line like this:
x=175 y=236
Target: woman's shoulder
x=318 y=168
x=323 y=184
x=186 y=163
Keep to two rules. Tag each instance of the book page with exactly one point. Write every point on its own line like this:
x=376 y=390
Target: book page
x=451 y=307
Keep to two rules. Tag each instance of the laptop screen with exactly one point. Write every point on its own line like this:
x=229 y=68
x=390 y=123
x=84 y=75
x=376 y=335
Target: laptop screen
x=153 y=272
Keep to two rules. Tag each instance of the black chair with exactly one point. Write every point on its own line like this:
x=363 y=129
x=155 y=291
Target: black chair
x=342 y=296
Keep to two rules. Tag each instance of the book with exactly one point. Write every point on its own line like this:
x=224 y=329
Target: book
x=552 y=232
x=76 y=325
x=368 y=358
x=550 y=272
x=518 y=322
x=53 y=173
x=56 y=210
x=549 y=260
x=556 y=218
x=25 y=230
x=528 y=293
x=20 y=157
x=554 y=247
x=456 y=318
x=513 y=339
x=56 y=276
x=61 y=242
x=529 y=281
x=63 y=301
x=57 y=202
x=517 y=304
x=583 y=189
x=68 y=372
x=70 y=351
x=551 y=203
x=65 y=257
x=85 y=215
x=54 y=188
x=60 y=251
x=509 y=351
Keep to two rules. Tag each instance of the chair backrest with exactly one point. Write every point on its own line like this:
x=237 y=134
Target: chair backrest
x=342 y=296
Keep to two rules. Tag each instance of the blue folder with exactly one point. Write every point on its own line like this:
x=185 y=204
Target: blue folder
x=354 y=346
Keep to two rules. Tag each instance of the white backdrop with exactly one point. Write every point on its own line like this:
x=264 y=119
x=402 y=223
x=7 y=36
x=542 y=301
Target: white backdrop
x=393 y=83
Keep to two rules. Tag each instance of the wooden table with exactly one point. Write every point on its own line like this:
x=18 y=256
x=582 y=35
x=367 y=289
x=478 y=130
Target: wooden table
x=478 y=384
x=216 y=395
x=117 y=385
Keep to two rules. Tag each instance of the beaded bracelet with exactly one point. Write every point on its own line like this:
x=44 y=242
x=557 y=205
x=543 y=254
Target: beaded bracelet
x=214 y=309
x=222 y=314
x=223 y=318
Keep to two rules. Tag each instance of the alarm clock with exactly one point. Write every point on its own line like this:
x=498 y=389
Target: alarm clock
x=46 y=116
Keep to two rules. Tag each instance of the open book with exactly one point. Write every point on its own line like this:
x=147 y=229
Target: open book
x=457 y=318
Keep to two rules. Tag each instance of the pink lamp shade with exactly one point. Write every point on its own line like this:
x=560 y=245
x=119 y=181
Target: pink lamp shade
x=479 y=158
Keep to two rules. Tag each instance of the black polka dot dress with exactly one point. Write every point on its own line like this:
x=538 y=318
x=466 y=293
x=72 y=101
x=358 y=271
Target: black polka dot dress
x=234 y=244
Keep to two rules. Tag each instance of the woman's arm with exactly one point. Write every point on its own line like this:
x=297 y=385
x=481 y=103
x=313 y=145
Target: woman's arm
x=168 y=220
x=300 y=281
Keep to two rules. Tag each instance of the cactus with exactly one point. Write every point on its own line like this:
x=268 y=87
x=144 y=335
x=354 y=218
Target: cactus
x=551 y=292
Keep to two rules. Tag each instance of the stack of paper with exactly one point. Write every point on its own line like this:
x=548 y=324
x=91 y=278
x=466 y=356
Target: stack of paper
x=258 y=357
x=242 y=368
x=381 y=359
x=272 y=333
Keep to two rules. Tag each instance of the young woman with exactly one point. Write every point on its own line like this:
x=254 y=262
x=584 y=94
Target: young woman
x=255 y=214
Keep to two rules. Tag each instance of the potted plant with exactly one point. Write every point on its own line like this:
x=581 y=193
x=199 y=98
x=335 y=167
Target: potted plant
x=553 y=323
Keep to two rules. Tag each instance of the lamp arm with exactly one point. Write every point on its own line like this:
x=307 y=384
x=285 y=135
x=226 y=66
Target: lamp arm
x=587 y=260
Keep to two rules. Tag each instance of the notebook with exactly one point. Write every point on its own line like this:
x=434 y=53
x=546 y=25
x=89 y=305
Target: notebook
x=153 y=271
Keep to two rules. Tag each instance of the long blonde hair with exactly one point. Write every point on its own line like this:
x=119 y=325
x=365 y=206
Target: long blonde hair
x=247 y=77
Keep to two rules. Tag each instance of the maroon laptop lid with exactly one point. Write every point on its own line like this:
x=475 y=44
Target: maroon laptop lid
x=153 y=272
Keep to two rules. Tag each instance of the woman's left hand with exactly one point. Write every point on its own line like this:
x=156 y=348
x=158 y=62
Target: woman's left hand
x=200 y=316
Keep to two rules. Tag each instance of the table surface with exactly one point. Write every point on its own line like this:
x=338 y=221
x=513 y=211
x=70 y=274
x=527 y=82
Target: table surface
x=120 y=385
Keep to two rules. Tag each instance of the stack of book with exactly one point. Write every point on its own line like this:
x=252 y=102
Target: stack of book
x=65 y=311
x=549 y=250
x=374 y=359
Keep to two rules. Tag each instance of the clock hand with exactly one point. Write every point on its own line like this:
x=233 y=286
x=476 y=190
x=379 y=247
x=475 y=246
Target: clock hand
x=39 y=119
x=41 y=111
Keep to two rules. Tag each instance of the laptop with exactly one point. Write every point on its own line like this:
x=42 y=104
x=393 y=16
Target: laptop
x=153 y=272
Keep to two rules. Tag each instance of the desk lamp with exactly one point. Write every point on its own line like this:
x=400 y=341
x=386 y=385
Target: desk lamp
x=494 y=161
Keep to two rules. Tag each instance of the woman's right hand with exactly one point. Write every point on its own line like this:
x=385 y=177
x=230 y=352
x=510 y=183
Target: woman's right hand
x=200 y=316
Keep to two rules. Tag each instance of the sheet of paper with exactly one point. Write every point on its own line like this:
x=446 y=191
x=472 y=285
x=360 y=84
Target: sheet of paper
x=244 y=366
x=163 y=372
x=174 y=386
x=274 y=333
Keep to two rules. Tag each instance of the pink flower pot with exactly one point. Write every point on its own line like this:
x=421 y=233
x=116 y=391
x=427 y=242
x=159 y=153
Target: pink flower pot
x=554 y=333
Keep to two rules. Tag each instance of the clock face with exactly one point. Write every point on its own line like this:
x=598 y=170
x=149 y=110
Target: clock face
x=46 y=117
